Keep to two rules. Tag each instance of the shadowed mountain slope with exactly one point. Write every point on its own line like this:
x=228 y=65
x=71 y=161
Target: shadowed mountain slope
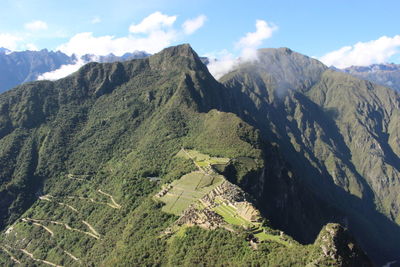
x=339 y=133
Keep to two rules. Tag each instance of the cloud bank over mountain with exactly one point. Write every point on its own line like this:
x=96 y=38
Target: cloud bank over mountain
x=152 y=34
x=225 y=61
x=364 y=53
x=63 y=71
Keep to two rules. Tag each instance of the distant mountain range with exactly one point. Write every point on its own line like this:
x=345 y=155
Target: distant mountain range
x=25 y=66
x=383 y=74
x=111 y=58
x=4 y=50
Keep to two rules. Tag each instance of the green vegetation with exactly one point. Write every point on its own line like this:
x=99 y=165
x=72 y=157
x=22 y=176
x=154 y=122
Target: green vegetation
x=76 y=156
x=230 y=216
x=201 y=159
x=191 y=187
x=106 y=128
x=338 y=135
x=263 y=236
x=185 y=191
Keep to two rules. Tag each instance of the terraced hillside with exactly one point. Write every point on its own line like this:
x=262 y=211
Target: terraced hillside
x=208 y=199
x=83 y=158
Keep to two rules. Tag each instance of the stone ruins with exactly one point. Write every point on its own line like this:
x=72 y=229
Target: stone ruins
x=205 y=218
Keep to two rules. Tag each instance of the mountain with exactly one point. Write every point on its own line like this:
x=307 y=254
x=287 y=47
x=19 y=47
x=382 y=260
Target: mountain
x=340 y=135
x=139 y=163
x=4 y=50
x=382 y=74
x=110 y=58
x=20 y=67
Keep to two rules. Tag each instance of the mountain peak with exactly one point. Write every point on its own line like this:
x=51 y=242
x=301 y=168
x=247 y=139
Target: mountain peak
x=280 y=50
x=277 y=55
x=177 y=57
x=282 y=69
x=182 y=49
x=337 y=244
x=4 y=50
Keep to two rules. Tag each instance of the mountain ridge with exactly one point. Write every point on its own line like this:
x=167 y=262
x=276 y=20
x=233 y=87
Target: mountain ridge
x=26 y=66
x=309 y=123
x=109 y=127
x=387 y=74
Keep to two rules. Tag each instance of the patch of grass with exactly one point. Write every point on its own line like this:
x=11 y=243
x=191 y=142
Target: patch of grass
x=213 y=161
x=230 y=216
x=187 y=190
x=196 y=155
x=201 y=159
x=202 y=163
x=262 y=236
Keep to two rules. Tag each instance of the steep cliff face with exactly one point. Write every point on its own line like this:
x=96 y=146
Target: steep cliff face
x=339 y=136
x=283 y=197
x=336 y=245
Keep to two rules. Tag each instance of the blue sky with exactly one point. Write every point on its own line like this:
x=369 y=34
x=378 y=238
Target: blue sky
x=328 y=30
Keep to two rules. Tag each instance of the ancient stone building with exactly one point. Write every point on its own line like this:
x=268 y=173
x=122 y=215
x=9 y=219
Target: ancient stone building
x=248 y=211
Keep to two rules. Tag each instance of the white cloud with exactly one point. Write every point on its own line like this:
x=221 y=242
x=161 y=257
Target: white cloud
x=154 y=22
x=247 y=45
x=254 y=39
x=36 y=25
x=16 y=43
x=226 y=62
x=95 y=20
x=152 y=34
x=9 y=41
x=192 y=25
x=62 y=72
x=363 y=53
x=86 y=43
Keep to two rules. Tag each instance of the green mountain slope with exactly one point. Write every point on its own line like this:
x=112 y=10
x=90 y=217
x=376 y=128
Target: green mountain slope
x=338 y=132
x=83 y=158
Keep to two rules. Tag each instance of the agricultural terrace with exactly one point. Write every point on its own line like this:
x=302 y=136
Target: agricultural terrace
x=202 y=161
x=190 y=188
